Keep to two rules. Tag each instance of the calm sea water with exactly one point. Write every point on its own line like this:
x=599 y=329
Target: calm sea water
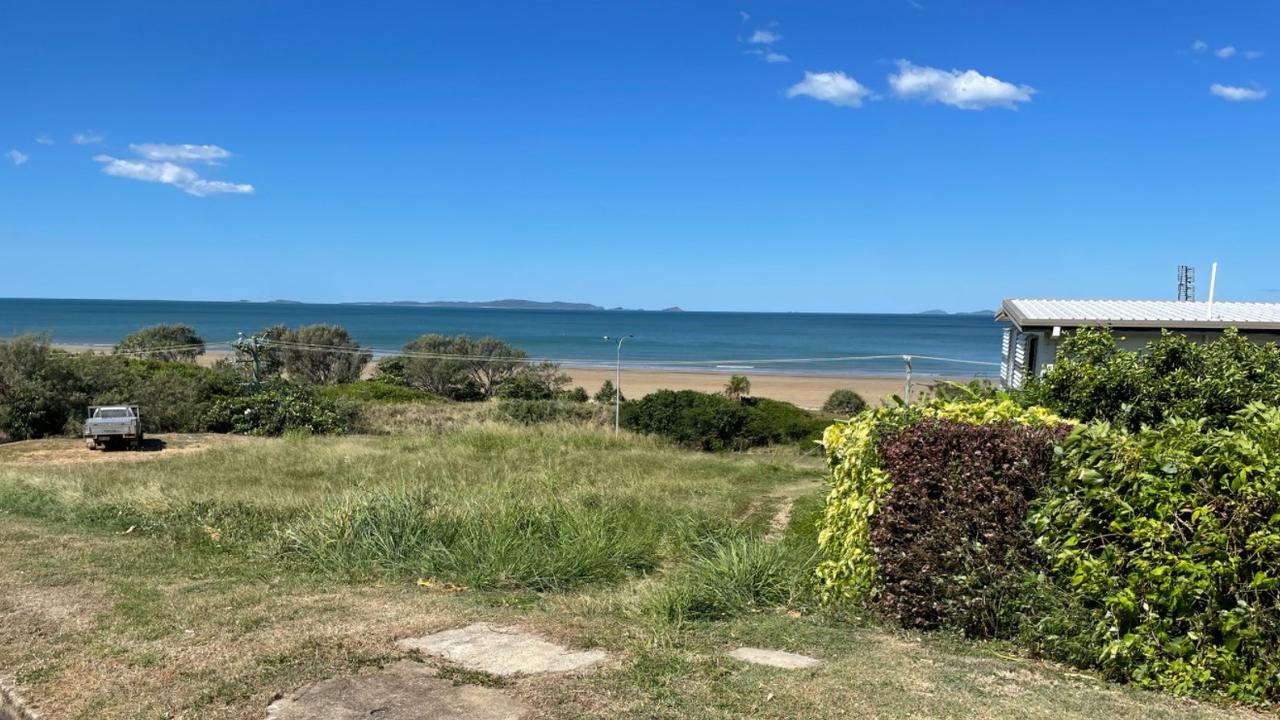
x=687 y=340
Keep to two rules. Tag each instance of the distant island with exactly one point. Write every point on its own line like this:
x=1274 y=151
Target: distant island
x=507 y=304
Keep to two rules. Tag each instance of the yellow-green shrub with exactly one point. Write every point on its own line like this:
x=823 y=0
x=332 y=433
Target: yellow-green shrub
x=859 y=482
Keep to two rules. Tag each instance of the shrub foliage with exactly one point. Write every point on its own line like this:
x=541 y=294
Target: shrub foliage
x=844 y=402
x=714 y=422
x=1094 y=379
x=321 y=354
x=859 y=483
x=949 y=537
x=458 y=367
x=276 y=409
x=1168 y=540
x=163 y=342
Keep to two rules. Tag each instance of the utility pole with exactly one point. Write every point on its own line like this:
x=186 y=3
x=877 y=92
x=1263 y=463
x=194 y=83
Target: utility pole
x=617 y=385
x=906 y=395
x=252 y=346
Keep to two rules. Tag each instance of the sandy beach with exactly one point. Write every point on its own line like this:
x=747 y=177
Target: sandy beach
x=807 y=391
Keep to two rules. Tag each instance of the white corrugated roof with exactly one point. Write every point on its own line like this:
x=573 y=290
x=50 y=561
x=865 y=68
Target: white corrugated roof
x=1141 y=313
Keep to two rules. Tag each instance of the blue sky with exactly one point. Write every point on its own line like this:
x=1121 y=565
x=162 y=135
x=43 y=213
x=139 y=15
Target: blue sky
x=641 y=154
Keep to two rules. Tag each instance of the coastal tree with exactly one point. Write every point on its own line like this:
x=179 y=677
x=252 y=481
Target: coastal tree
x=737 y=388
x=606 y=394
x=460 y=367
x=37 y=388
x=537 y=381
x=322 y=354
x=176 y=343
x=271 y=357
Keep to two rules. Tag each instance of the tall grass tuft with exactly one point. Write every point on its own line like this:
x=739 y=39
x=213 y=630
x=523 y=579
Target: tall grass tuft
x=518 y=544
x=729 y=577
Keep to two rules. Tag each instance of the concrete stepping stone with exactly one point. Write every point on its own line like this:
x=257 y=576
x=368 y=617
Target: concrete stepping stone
x=774 y=658
x=402 y=691
x=502 y=651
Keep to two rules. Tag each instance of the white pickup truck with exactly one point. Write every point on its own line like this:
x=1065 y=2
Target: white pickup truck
x=113 y=425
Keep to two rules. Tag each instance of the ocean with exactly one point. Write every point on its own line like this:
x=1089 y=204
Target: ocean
x=802 y=343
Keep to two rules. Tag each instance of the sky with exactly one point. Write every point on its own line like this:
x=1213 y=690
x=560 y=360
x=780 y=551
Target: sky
x=876 y=156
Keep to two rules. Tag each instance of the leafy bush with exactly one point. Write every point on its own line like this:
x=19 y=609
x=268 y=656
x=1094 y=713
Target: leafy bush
x=46 y=392
x=1168 y=540
x=375 y=391
x=846 y=403
x=714 y=422
x=540 y=381
x=972 y=391
x=532 y=412
x=173 y=396
x=1094 y=379
x=179 y=343
x=608 y=394
x=578 y=395
x=949 y=537
x=459 y=367
x=784 y=422
x=859 y=483
x=321 y=354
x=37 y=389
x=278 y=408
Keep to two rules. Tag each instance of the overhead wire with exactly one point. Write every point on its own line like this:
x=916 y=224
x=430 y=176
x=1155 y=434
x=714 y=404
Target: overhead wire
x=287 y=344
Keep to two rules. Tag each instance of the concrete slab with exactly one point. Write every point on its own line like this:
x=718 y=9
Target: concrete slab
x=502 y=651
x=401 y=691
x=774 y=658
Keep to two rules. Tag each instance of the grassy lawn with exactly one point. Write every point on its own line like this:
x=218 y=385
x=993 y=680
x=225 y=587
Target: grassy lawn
x=204 y=580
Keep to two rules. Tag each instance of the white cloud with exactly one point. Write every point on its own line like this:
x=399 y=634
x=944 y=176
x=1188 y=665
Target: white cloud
x=17 y=157
x=44 y=139
x=764 y=37
x=181 y=153
x=967 y=90
x=832 y=87
x=1199 y=46
x=1252 y=54
x=1225 y=52
x=776 y=57
x=87 y=138
x=745 y=15
x=168 y=173
x=1237 y=94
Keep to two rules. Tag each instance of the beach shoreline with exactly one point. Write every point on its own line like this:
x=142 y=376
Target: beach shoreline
x=806 y=390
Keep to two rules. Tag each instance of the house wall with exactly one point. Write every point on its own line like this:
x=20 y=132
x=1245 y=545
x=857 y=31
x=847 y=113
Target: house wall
x=1014 y=350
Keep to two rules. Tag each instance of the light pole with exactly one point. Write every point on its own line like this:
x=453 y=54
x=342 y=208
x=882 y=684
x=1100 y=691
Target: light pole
x=617 y=384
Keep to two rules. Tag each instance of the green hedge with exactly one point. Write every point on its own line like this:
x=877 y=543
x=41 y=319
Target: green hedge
x=1167 y=543
x=1092 y=378
x=859 y=483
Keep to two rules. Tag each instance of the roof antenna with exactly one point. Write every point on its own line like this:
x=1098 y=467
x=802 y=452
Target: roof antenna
x=1213 y=281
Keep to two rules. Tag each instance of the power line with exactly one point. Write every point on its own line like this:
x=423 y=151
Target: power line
x=579 y=361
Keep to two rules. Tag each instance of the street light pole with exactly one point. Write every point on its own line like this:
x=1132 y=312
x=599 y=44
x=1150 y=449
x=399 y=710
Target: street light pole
x=617 y=385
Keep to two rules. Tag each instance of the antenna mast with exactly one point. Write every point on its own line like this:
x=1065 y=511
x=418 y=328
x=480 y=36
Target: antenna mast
x=1186 y=283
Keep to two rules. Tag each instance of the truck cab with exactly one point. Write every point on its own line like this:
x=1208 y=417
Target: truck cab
x=109 y=425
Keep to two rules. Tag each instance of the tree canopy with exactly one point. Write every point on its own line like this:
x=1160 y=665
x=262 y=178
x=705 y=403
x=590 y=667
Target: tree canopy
x=178 y=342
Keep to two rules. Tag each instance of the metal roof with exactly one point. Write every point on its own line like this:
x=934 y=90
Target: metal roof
x=1141 y=314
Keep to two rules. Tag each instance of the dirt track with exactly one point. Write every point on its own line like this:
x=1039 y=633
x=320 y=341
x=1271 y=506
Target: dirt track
x=72 y=451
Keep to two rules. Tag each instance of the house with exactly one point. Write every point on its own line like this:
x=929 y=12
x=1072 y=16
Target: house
x=1036 y=327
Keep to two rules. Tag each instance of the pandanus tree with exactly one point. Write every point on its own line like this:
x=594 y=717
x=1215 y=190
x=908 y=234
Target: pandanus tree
x=737 y=388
